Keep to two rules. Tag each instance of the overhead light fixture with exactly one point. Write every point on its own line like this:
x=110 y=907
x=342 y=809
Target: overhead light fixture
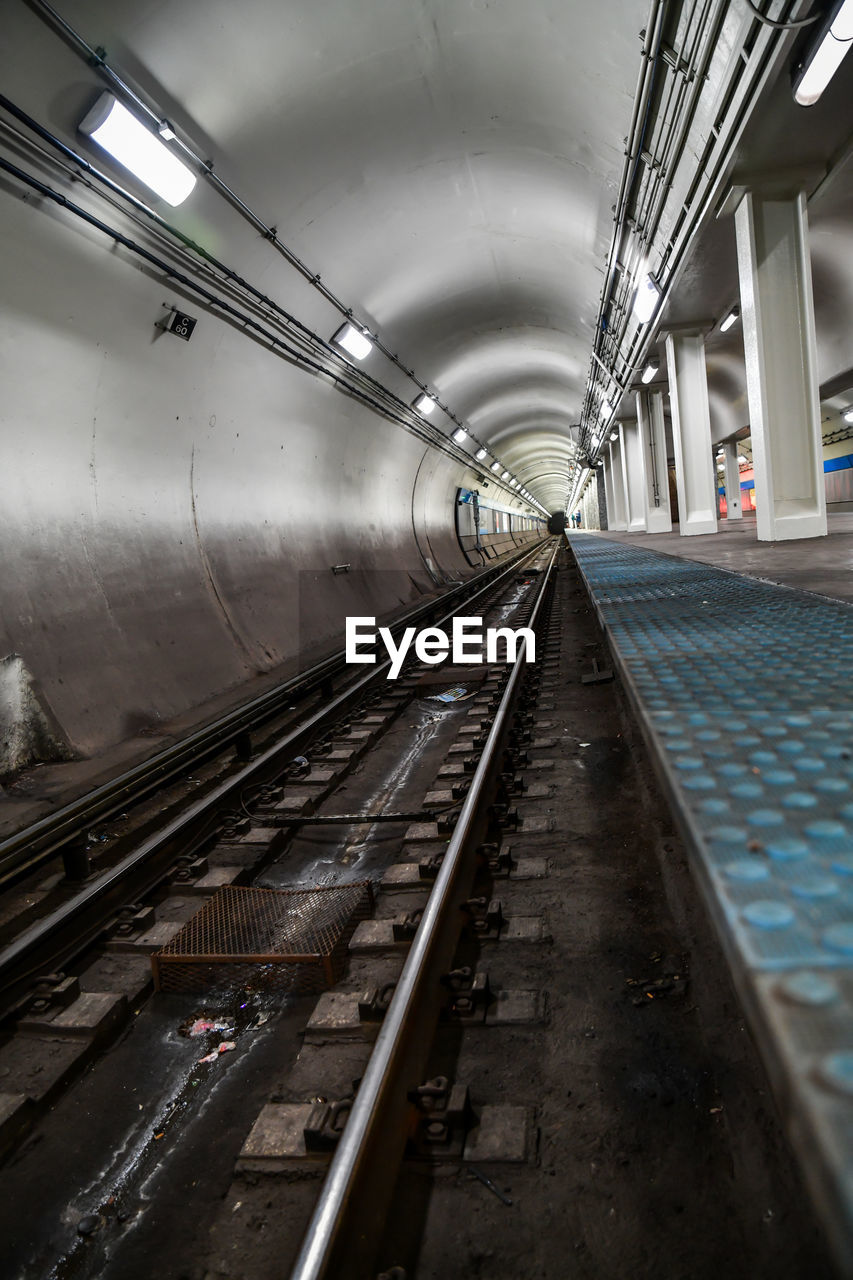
x=505 y=475
x=129 y=141
x=741 y=458
x=480 y=454
x=606 y=408
x=729 y=319
x=721 y=466
x=651 y=370
x=824 y=54
x=496 y=466
x=424 y=404
x=847 y=415
x=353 y=341
x=459 y=435
x=646 y=300
x=614 y=435
x=513 y=484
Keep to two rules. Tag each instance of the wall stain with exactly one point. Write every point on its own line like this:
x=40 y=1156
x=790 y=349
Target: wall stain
x=229 y=622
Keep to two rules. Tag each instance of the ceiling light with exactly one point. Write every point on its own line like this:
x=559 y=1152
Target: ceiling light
x=741 y=458
x=729 y=319
x=606 y=408
x=847 y=415
x=353 y=341
x=496 y=466
x=166 y=132
x=825 y=54
x=459 y=435
x=614 y=435
x=646 y=300
x=505 y=475
x=127 y=140
x=651 y=370
x=424 y=403
x=721 y=466
x=480 y=454
x=513 y=484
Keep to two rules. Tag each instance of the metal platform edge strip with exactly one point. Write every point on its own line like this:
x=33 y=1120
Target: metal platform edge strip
x=724 y=675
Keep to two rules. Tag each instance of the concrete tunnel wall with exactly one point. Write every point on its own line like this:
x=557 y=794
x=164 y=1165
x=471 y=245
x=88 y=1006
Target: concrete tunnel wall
x=170 y=511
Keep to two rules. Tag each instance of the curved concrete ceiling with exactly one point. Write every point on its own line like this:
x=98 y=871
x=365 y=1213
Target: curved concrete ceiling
x=448 y=169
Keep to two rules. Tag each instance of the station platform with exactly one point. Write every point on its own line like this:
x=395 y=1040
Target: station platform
x=824 y=565
x=744 y=694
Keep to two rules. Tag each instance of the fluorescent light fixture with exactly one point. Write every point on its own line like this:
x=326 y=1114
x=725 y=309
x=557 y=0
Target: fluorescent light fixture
x=646 y=300
x=127 y=140
x=651 y=370
x=741 y=458
x=353 y=341
x=606 y=408
x=513 y=484
x=459 y=435
x=166 y=132
x=596 y=441
x=729 y=319
x=505 y=475
x=721 y=466
x=847 y=415
x=424 y=404
x=496 y=466
x=825 y=55
x=480 y=454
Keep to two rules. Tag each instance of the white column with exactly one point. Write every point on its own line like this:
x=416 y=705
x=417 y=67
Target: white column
x=635 y=477
x=732 y=482
x=691 y=432
x=609 y=500
x=617 y=484
x=601 y=495
x=777 y=310
x=652 y=430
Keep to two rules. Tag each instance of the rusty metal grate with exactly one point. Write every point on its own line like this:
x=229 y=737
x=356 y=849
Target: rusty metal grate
x=296 y=938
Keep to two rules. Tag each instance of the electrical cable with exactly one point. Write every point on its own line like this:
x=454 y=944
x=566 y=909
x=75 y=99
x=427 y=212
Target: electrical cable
x=783 y=26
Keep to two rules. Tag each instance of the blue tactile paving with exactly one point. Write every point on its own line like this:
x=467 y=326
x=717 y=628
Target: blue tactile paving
x=745 y=690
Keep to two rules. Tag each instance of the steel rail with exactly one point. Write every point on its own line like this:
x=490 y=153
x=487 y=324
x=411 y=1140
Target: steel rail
x=36 y=843
x=83 y=915
x=334 y=1244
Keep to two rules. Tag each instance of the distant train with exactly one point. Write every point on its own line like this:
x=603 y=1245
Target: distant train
x=488 y=529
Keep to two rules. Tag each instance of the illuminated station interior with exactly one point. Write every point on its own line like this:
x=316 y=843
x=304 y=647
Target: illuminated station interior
x=426 y=648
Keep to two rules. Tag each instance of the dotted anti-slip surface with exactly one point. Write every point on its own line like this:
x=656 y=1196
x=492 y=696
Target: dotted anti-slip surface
x=746 y=691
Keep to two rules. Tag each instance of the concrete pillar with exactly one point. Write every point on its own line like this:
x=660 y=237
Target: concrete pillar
x=777 y=311
x=635 y=477
x=691 y=431
x=601 y=495
x=652 y=430
x=617 y=482
x=732 y=482
x=609 y=499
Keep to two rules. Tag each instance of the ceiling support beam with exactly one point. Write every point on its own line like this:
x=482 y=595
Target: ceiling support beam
x=618 y=507
x=652 y=432
x=634 y=463
x=731 y=479
x=691 y=430
x=777 y=310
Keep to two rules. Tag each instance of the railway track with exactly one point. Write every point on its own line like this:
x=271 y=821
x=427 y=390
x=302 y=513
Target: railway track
x=431 y=1112
x=170 y=847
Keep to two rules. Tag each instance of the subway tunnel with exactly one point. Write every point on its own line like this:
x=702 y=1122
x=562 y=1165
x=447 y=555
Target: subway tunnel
x=338 y=316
